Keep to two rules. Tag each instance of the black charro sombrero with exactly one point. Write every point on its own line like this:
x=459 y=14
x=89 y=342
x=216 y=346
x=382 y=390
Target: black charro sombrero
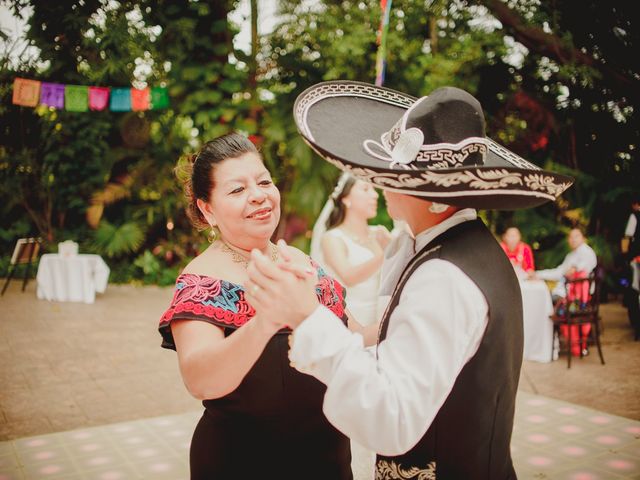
x=433 y=147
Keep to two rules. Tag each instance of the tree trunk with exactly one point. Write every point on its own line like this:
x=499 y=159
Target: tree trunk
x=433 y=34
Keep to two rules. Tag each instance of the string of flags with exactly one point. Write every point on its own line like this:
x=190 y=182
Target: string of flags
x=82 y=98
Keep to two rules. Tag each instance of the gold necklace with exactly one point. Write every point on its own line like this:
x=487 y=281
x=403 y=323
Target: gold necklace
x=237 y=257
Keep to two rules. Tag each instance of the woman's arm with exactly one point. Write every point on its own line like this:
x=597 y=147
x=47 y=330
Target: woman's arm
x=335 y=256
x=527 y=260
x=213 y=365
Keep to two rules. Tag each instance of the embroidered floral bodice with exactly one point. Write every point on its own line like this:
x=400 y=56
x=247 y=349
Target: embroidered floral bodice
x=223 y=303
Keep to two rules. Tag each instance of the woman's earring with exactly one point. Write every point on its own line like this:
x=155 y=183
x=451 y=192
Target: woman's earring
x=212 y=235
x=437 y=207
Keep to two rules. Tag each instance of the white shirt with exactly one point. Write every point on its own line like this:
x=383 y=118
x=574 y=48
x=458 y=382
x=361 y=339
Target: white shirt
x=582 y=259
x=387 y=404
x=632 y=223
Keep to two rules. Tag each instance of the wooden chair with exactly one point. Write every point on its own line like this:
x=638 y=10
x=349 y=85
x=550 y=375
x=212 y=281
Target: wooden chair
x=576 y=317
x=25 y=253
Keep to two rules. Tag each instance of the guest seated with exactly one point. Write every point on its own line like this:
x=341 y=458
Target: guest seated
x=518 y=252
x=578 y=263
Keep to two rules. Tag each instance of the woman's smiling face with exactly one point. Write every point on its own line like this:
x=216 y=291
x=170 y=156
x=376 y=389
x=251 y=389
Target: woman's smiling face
x=244 y=202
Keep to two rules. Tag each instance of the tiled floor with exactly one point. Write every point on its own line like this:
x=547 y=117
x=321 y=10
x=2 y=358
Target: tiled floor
x=559 y=440
x=87 y=393
x=552 y=440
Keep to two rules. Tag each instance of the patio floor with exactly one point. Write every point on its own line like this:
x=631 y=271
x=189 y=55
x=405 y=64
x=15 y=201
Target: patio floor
x=86 y=392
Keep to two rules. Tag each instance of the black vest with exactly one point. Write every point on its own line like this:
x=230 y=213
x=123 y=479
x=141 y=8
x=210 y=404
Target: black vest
x=471 y=434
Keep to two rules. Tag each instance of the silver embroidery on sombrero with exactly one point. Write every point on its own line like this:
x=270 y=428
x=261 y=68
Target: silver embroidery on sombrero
x=455 y=153
x=537 y=181
x=511 y=157
x=481 y=180
x=447 y=158
x=437 y=155
x=390 y=470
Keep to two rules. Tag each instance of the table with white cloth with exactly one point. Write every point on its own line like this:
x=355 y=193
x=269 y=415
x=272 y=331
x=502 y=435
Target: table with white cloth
x=538 y=327
x=74 y=278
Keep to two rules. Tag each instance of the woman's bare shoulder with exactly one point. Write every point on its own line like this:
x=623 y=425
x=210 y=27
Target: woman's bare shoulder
x=332 y=239
x=210 y=263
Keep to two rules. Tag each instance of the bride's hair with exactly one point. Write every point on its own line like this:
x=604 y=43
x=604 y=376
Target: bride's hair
x=339 y=208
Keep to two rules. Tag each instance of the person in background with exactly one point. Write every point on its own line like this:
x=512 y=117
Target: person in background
x=580 y=261
x=518 y=252
x=631 y=241
x=350 y=249
x=262 y=418
x=630 y=247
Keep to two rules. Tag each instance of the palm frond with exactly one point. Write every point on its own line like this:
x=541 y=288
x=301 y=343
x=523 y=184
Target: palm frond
x=113 y=241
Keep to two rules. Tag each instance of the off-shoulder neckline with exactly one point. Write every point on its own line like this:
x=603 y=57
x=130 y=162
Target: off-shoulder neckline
x=223 y=280
x=212 y=278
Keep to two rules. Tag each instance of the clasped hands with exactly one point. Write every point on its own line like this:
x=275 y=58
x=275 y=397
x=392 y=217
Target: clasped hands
x=283 y=293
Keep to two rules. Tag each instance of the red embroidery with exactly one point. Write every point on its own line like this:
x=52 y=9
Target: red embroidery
x=214 y=313
x=197 y=289
x=330 y=295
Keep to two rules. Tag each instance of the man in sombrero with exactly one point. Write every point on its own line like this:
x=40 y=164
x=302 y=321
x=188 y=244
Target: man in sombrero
x=436 y=397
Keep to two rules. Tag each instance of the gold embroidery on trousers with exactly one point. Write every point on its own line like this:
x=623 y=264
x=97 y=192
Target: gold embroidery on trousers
x=390 y=470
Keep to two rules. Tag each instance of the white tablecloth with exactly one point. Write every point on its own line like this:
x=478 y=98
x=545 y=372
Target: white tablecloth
x=71 y=279
x=538 y=328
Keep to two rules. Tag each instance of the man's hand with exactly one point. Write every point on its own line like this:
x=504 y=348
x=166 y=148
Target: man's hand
x=278 y=295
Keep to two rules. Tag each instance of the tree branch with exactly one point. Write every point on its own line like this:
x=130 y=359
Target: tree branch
x=549 y=45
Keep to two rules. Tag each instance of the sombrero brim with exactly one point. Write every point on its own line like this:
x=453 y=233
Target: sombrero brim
x=335 y=118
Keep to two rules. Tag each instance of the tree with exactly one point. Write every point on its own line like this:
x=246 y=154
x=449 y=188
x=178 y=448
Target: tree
x=560 y=89
x=557 y=88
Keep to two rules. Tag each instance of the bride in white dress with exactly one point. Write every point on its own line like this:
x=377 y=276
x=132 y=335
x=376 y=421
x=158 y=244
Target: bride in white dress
x=351 y=250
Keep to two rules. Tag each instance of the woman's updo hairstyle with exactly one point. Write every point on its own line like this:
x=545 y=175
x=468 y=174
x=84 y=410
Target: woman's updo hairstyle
x=196 y=173
x=336 y=217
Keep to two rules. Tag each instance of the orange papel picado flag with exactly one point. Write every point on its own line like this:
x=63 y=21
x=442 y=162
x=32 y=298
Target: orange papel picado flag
x=140 y=99
x=26 y=92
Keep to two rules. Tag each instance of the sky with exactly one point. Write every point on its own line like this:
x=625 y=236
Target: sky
x=13 y=27
x=266 y=21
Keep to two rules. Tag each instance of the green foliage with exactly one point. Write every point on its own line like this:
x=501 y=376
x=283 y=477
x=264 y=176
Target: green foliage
x=154 y=272
x=568 y=102
x=114 y=241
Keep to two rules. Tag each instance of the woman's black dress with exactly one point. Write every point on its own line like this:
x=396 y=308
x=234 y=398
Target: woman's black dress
x=272 y=425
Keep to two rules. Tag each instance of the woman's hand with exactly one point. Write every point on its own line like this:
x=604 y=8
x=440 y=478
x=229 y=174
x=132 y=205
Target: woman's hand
x=383 y=236
x=279 y=295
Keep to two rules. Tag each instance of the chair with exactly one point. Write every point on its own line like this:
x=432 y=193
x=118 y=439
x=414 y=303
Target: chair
x=576 y=318
x=25 y=252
